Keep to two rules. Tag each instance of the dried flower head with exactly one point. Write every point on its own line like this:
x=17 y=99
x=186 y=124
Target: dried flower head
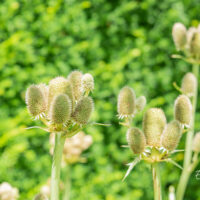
x=87 y=82
x=7 y=192
x=83 y=110
x=179 y=33
x=35 y=101
x=126 y=102
x=171 y=135
x=136 y=140
x=195 y=44
x=196 y=143
x=154 y=122
x=183 y=110
x=60 y=109
x=189 y=84
x=140 y=103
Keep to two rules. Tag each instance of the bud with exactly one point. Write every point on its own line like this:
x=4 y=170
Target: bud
x=140 y=103
x=83 y=110
x=60 y=109
x=154 y=122
x=196 y=143
x=195 y=45
x=35 y=100
x=171 y=135
x=190 y=34
x=87 y=82
x=75 y=78
x=189 y=84
x=183 y=110
x=7 y=192
x=179 y=36
x=136 y=140
x=45 y=91
x=59 y=85
x=126 y=102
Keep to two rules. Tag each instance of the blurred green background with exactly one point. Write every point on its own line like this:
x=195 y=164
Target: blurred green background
x=120 y=42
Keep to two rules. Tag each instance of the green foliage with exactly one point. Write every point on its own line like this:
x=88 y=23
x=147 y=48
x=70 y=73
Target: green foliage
x=119 y=43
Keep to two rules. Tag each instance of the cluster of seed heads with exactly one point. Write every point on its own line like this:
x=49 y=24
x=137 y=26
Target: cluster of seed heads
x=7 y=192
x=63 y=102
x=187 y=41
x=73 y=146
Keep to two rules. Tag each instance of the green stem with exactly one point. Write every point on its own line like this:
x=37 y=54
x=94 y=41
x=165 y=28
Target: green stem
x=66 y=195
x=56 y=165
x=156 y=181
x=188 y=146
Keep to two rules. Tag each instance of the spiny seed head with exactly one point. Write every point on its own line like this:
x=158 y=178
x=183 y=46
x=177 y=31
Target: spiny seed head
x=196 y=143
x=59 y=85
x=83 y=110
x=189 y=84
x=75 y=78
x=136 y=140
x=45 y=91
x=195 y=45
x=190 y=34
x=171 y=135
x=140 y=103
x=87 y=82
x=179 y=36
x=35 y=101
x=154 y=121
x=126 y=102
x=60 y=109
x=183 y=110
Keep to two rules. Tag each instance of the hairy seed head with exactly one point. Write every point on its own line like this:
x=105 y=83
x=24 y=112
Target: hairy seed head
x=195 y=45
x=154 y=121
x=60 y=109
x=171 y=135
x=75 y=78
x=35 y=100
x=183 y=109
x=83 y=110
x=179 y=36
x=190 y=34
x=140 y=103
x=196 y=143
x=136 y=140
x=87 y=82
x=126 y=102
x=189 y=84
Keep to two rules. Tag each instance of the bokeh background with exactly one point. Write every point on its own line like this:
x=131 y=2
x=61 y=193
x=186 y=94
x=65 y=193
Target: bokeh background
x=120 y=42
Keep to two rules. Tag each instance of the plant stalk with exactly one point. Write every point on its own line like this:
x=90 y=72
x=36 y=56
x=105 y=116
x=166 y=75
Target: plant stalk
x=66 y=195
x=156 y=181
x=188 y=146
x=56 y=165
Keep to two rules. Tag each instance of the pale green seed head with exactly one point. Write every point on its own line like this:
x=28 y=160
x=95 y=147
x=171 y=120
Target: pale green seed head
x=45 y=91
x=60 y=110
x=171 y=135
x=196 y=143
x=179 y=34
x=59 y=85
x=136 y=140
x=126 y=102
x=154 y=121
x=189 y=84
x=75 y=79
x=195 y=45
x=183 y=110
x=83 y=110
x=140 y=103
x=87 y=82
x=190 y=34
x=35 y=101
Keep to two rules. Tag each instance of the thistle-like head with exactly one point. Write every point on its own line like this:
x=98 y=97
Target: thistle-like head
x=140 y=103
x=196 y=143
x=87 y=83
x=195 y=45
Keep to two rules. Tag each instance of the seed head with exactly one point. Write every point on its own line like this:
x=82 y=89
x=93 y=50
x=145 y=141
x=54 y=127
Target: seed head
x=35 y=101
x=154 y=122
x=140 y=103
x=196 y=143
x=183 y=110
x=59 y=85
x=136 y=140
x=87 y=82
x=126 y=102
x=189 y=84
x=179 y=36
x=195 y=45
x=60 y=109
x=171 y=135
x=75 y=79
x=83 y=110
x=190 y=34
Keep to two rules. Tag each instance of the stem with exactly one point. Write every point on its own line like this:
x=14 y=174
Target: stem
x=66 y=195
x=56 y=165
x=156 y=181
x=188 y=146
